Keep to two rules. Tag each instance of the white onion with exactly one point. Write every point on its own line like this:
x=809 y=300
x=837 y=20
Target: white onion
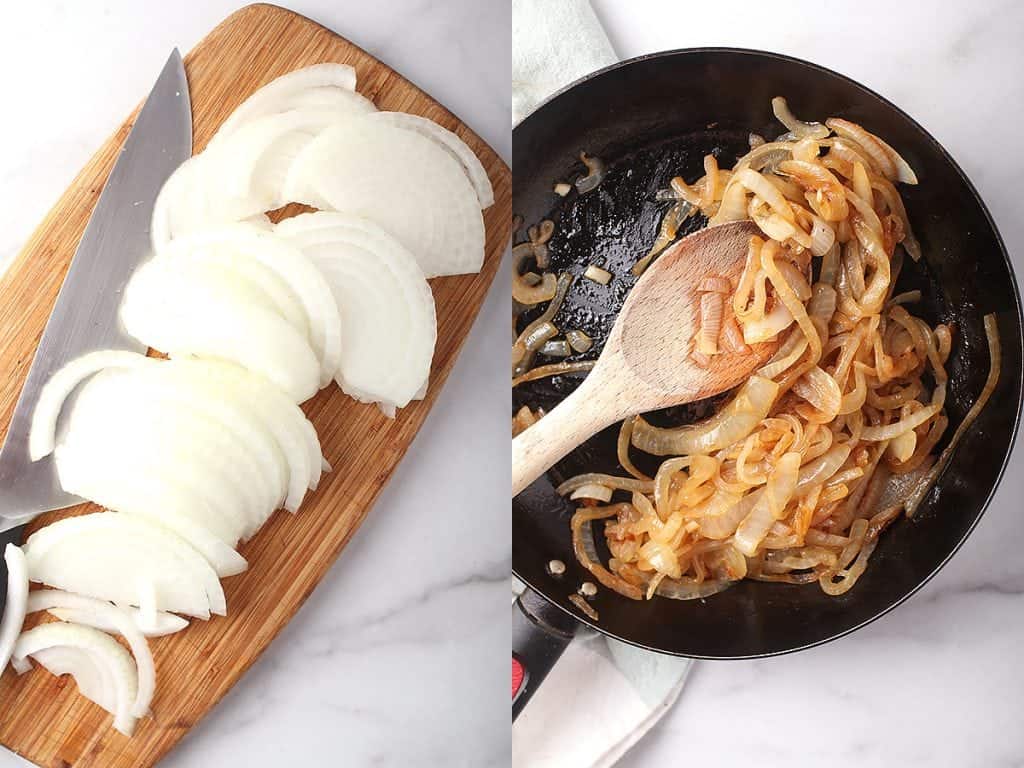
x=101 y=615
x=163 y=624
x=798 y=128
x=245 y=426
x=823 y=237
x=228 y=386
x=57 y=388
x=104 y=652
x=715 y=284
x=189 y=308
x=402 y=181
x=243 y=241
x=289 y=91
x=123 y=447
x=93 y=681
x=14 y=605
x=387 y=309
x=720 y=514
x=449 y=141
x=106 y=554
x=902 y=446
x=246 y=174
x=174 y=208
x=907 y=423
x=221 y=436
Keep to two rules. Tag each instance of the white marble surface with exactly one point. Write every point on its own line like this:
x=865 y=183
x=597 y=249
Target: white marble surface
x=939 y=681
x=400 y=656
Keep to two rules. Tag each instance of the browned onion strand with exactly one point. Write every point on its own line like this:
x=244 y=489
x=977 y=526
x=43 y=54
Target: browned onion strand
x=796 y=477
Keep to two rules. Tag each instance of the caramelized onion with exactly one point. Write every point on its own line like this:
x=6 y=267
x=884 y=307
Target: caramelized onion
x=732 y=423
x=796 y=476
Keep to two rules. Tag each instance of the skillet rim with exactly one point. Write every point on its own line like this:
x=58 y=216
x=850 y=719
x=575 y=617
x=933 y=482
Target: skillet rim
x=1014 y=428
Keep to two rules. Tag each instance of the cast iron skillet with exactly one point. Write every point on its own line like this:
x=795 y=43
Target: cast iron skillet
x=652 y=118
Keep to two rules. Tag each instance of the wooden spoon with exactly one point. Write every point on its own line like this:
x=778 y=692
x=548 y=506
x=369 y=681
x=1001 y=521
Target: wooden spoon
x=646 y=363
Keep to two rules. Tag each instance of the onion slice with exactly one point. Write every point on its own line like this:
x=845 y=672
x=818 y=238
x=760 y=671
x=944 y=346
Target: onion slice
x=204 y=310
x=103 y=650
x=106 y=555
x=60 y=385
x=387 y=308
x=782 y=484
x=159 y=626
x=287 y=92
x=732 y=423
x=247 y=242
x=449 y=141
x=93 y=680
x=102 y=615
x=14 y=605
x=402 y=181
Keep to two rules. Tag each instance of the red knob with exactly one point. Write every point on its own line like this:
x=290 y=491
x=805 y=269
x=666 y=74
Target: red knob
x=518 y=673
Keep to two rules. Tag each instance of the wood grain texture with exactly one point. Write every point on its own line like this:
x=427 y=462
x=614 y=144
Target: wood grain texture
x=42 y=717
x=645 y=364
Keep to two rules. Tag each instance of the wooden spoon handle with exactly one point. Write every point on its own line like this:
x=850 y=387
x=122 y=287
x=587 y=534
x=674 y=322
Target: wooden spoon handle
x=581 y=415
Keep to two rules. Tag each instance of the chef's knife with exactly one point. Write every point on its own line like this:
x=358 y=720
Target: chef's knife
x=85 y=317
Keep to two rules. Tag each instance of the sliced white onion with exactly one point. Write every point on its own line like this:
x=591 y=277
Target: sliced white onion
x=258 y=279
x=242 y=241
x=203 y=386
x=106 y=554
x=93 y=681
x=457 y=147
x=228 y=389
x=190 y=308
x=823 y=237
x=245 y=175
x=711 y=306
x=104 y=651
x=14 y=606
x=123 y=448
x=102 y=615
x=163 y=624
x=290 y=91
x=57 y=388
x=402 y=181
x=174 y=207
x=207 y=438
x=387 y=309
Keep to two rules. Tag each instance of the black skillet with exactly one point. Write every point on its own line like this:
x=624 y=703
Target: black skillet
x=655 y=117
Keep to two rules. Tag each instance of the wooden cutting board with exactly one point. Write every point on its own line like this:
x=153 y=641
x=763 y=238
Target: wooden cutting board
x=42 y=717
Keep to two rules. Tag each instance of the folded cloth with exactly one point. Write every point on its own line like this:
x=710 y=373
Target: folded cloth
x=599 y=700
x=554 y=42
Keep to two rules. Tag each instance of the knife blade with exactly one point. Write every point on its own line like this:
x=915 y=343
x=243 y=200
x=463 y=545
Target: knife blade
x=85 y=316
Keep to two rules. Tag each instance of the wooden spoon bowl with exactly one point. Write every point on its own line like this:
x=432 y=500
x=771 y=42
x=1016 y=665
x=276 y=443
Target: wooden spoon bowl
x=646 y=363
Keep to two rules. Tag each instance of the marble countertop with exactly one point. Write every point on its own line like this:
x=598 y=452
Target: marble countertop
x=937 y=682
x=399 y=658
